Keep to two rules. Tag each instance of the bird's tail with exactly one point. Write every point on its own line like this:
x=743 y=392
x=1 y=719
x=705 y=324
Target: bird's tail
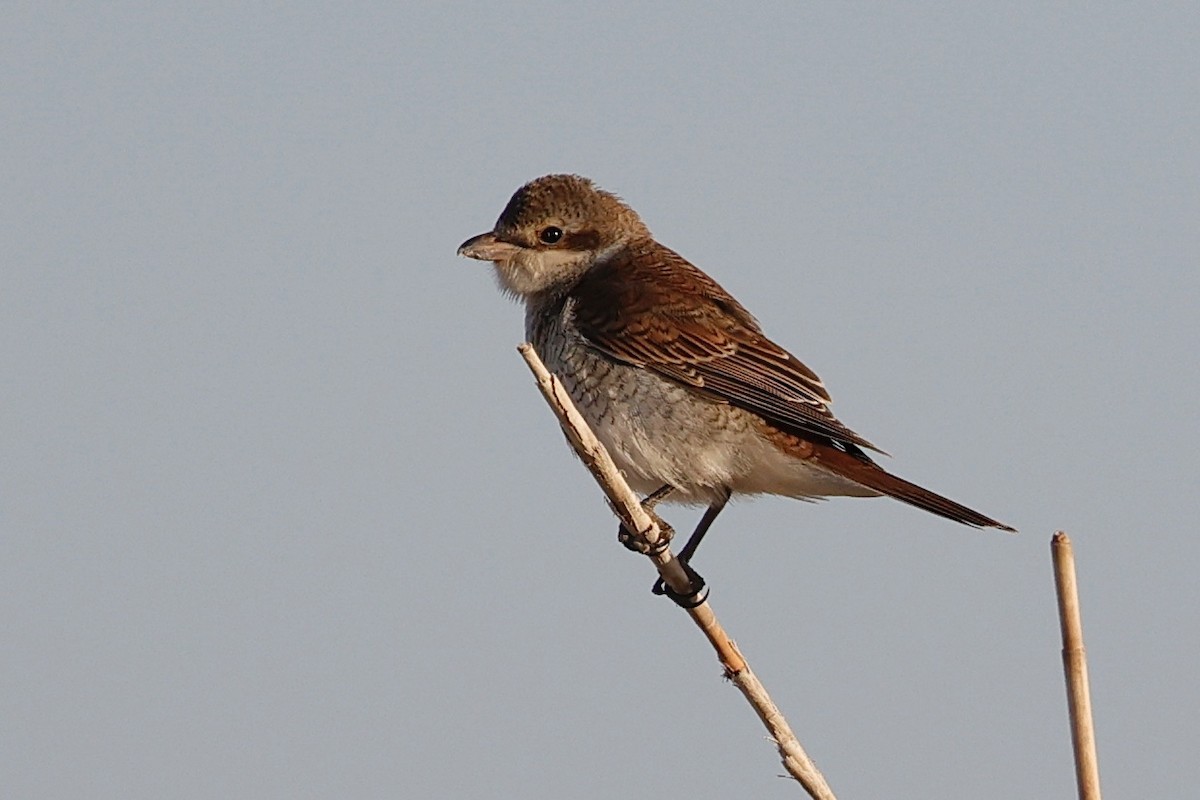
x=861 y=469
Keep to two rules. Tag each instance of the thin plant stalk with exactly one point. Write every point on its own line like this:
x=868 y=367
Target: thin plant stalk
x=626 y=505
x=1079 y=701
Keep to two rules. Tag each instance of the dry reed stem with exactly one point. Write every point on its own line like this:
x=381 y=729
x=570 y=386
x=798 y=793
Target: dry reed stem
x=626 y=505
x=1079 y=702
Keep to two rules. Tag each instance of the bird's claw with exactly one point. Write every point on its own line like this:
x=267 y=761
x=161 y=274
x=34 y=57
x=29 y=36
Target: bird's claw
x=696 y=593
x=696 y=587
x=638 y=543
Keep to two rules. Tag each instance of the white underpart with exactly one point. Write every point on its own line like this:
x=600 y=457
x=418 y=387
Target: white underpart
x=658 y=432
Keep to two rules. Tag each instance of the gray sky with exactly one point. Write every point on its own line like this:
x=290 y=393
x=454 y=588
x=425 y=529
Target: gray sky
x=283 y=515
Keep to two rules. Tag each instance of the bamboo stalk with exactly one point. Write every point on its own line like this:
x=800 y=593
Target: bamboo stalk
x=1079 y=702
x=626 y=505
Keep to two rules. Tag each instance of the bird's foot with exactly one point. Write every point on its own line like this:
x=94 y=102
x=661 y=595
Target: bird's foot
x=696 y=593
x=636 y=540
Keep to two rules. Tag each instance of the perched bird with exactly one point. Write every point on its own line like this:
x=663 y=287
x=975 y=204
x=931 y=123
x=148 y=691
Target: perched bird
x=676 y=378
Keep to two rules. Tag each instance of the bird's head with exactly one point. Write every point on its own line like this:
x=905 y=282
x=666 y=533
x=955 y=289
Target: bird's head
x=552 y=230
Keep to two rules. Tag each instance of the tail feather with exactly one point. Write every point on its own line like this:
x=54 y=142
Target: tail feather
x=861 y=469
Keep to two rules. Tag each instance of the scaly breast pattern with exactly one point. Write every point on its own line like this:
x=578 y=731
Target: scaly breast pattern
x=657 y=431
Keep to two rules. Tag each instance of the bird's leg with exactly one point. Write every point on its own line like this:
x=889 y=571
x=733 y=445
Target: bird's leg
x=635 y=540
x=689 y=549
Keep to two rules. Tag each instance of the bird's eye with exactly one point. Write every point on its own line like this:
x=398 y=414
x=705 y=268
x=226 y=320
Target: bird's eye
x=550 y=235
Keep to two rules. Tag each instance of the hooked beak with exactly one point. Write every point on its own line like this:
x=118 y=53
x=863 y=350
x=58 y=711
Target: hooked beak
x=487 y=247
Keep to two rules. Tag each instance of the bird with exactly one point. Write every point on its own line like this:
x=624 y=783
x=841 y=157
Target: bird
x=693 y=401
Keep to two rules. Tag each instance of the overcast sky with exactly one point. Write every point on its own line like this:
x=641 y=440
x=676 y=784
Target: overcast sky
x=282 y=514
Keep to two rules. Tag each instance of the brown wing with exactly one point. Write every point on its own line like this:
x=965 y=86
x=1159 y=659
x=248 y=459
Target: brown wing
x=650 y=307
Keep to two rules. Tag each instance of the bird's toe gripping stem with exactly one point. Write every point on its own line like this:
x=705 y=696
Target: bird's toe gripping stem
x=696 y=594
x=638 y=543
x=636 y=540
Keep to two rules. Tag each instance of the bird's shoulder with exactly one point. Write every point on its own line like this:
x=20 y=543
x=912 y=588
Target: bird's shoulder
x=646 y=294
x=648 y=306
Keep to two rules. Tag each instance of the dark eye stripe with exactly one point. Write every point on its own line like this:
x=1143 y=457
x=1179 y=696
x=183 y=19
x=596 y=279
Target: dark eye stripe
x=582 y=240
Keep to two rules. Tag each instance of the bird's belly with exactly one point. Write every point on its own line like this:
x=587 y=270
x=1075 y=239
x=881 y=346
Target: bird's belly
x=662 y=433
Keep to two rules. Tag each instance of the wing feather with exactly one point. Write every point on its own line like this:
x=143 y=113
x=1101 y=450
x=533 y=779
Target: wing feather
x=649 y=306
